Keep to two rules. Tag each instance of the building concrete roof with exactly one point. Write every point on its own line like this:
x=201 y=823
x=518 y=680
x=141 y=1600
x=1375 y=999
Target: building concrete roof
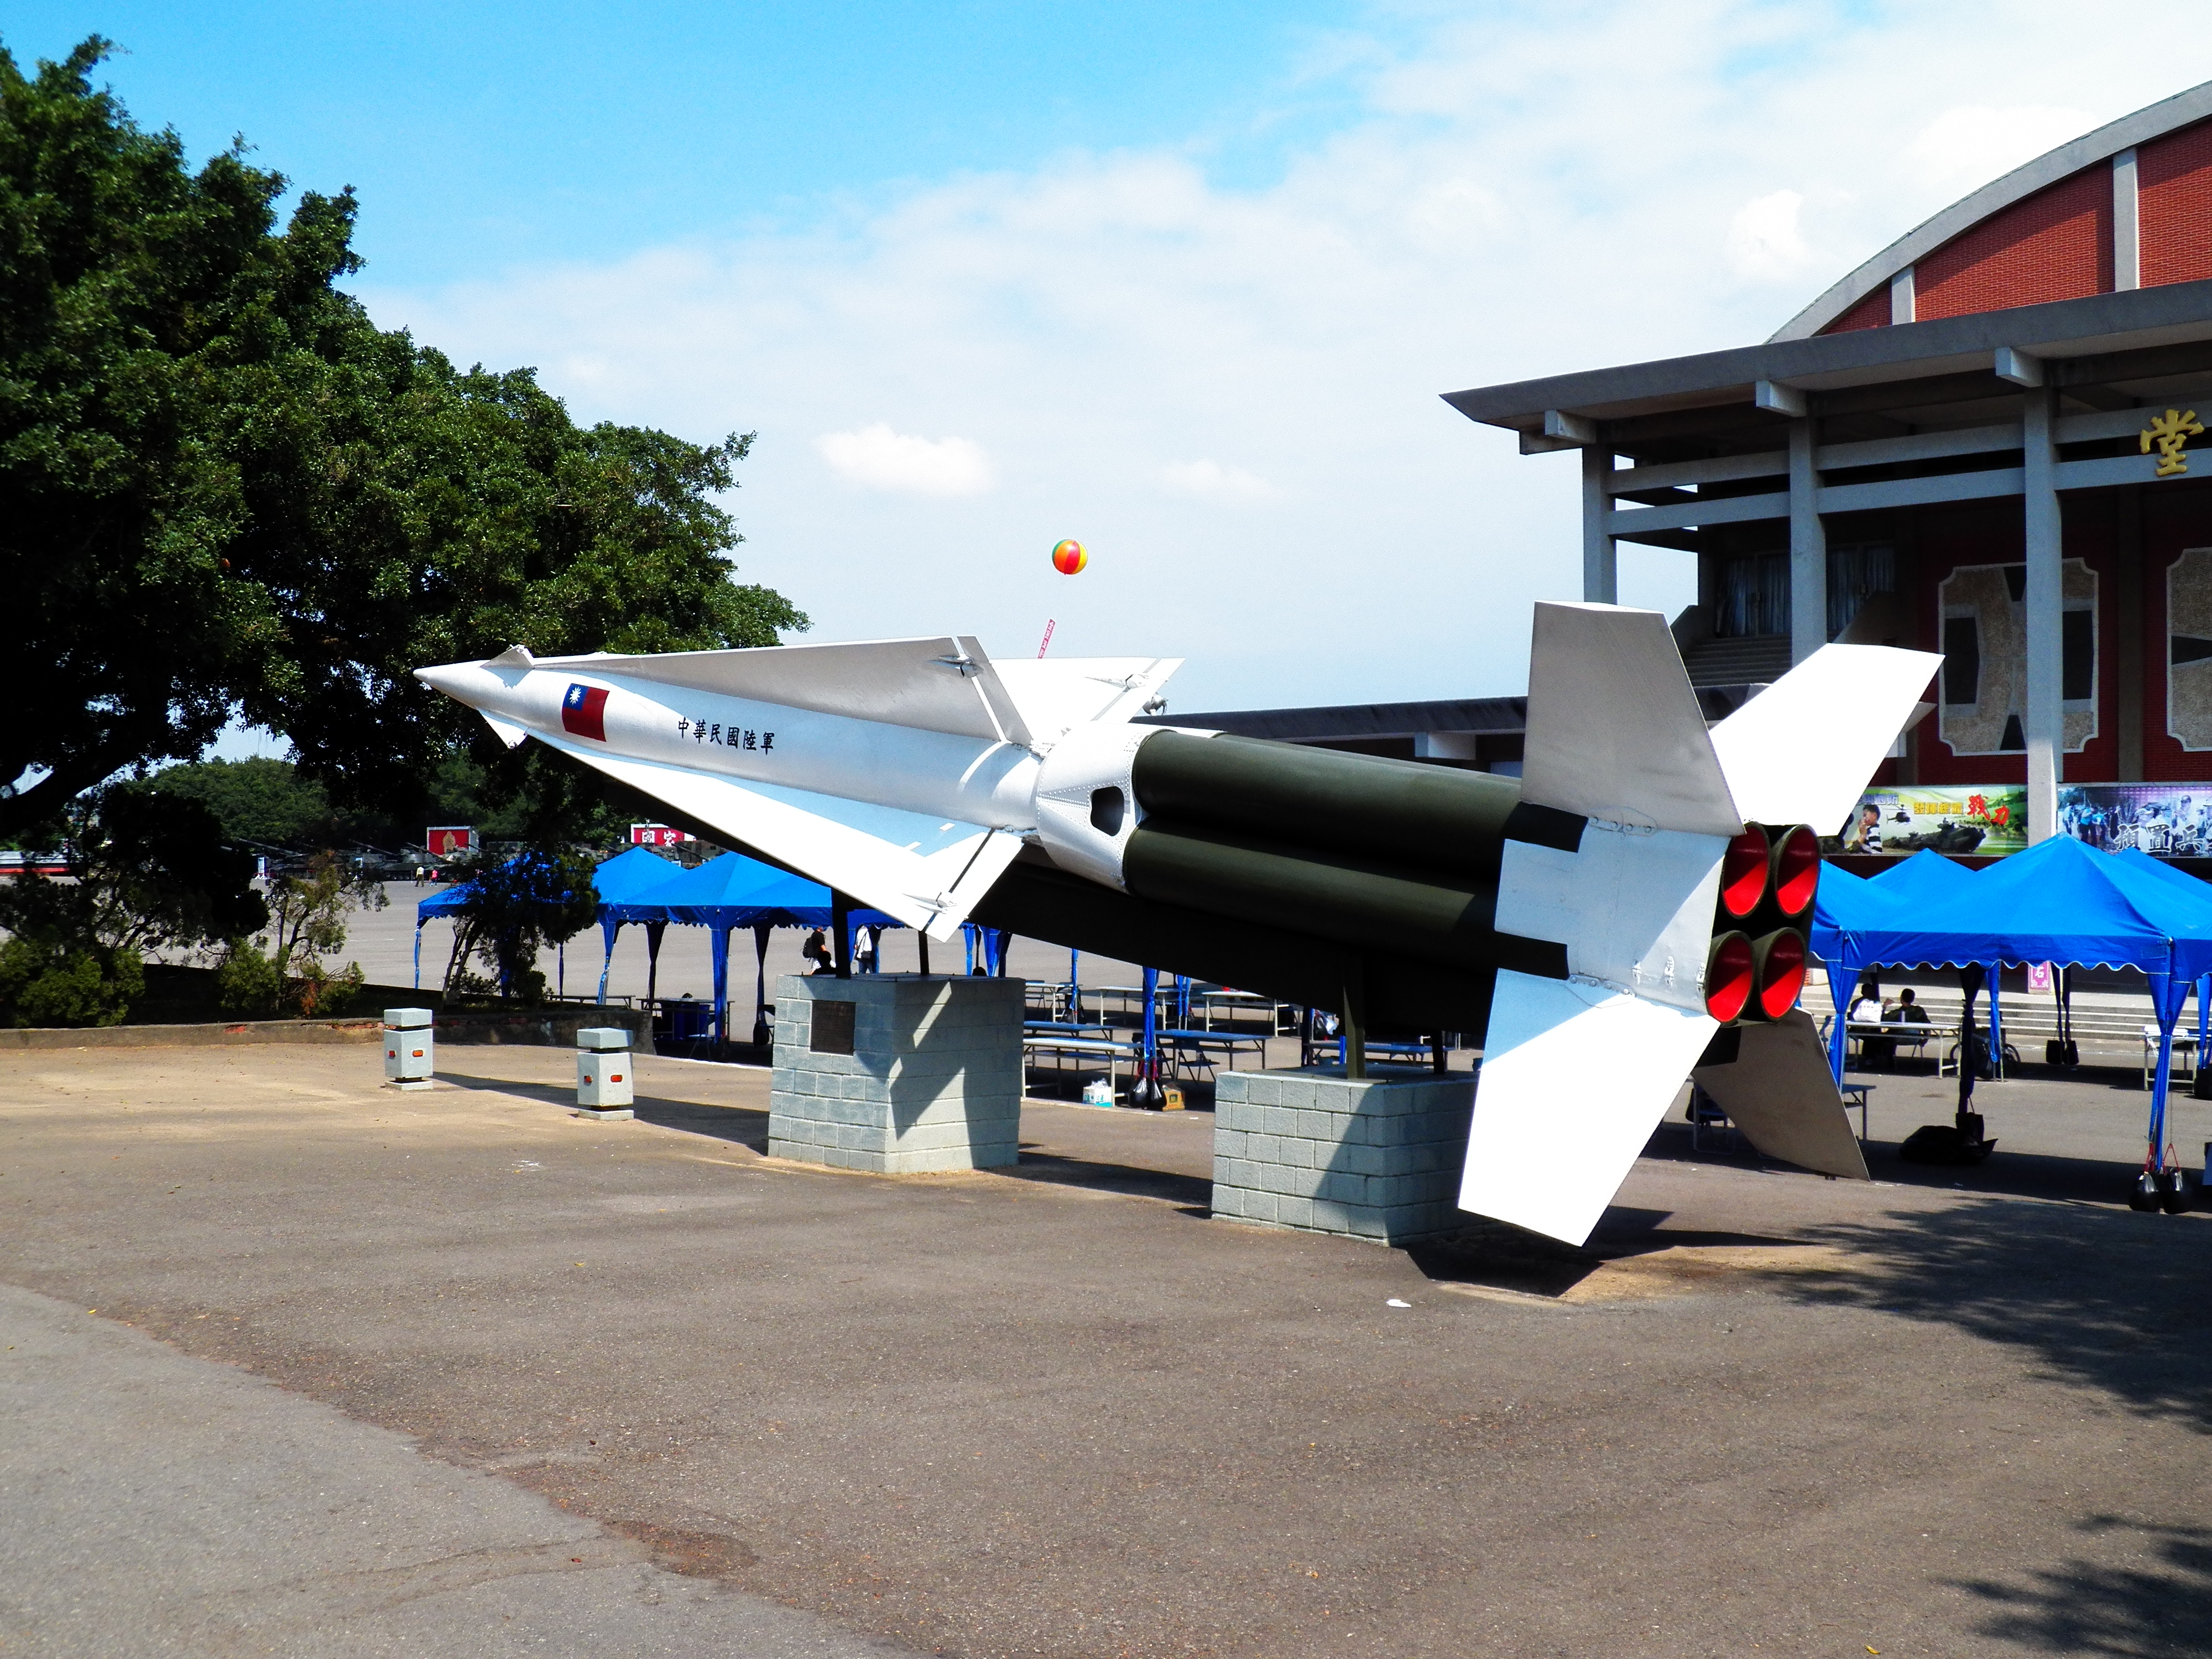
x=2088 y=341
x=2183 y=109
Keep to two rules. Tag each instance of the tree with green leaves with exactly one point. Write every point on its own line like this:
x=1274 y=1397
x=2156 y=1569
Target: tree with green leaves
x=223 y=489
x=283 y=970
x=145 y=875
x=511 y=910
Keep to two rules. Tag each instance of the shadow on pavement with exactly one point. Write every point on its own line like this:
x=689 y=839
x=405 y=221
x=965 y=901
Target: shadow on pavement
x=1193 y=1193
x=736 y=1124
x=2015 y=1174
x=2101 y=1299
x=1497 y=1255
x=2158 y=1607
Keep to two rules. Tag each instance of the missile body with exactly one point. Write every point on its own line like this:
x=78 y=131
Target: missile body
x=1565 y=920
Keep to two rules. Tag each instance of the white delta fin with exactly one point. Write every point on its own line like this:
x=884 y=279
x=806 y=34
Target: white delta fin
x=1614 y=732
x=1577 y=1073
x=1801 y=750
x=508 y=732
x=1058 y=694
x=1575 y=1077
x=1779 y=1092
x=943 y=683
x=924 y=872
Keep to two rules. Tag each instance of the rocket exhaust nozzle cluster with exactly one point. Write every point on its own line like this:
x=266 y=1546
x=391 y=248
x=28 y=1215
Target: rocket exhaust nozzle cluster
x=1755 y=966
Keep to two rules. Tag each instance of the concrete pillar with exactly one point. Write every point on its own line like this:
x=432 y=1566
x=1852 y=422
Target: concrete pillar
x=897 y=1074
x=1601 y=557
x=2129 y=659
x=1376 y=1158
x=1808 y=548
x=2043 y=720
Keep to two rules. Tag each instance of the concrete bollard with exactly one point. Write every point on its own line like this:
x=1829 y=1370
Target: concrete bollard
x=410 y=1048
x=604 y=1079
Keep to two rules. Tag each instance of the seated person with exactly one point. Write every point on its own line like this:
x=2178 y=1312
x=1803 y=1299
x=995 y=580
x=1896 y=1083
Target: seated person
x=1866 y=1007
x=1909 y=1011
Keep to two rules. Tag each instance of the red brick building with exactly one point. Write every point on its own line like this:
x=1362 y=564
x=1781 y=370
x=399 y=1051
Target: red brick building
x=1962 y=446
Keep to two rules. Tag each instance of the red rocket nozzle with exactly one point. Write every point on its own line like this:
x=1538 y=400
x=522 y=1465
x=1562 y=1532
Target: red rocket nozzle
x=1778 y=968
x=1796 y=869
x=1728 y=977
x=1744 y=873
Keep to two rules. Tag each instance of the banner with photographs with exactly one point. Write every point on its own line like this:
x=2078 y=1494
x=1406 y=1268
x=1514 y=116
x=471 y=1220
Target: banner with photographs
x=2166 y=820
x=1986 y=820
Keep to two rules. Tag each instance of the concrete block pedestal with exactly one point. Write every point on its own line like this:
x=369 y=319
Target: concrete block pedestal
x=897 y=1074
x=1376 y=1158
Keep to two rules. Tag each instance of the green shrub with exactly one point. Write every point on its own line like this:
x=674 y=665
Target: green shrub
x=247 y=984
x=46 y=982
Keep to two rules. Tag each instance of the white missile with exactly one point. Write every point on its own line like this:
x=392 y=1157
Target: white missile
x=906 y=773
x=1569 y=915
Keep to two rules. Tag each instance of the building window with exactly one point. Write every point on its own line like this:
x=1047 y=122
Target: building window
x=1755 y=597
x=1856 y=572
x=2077 y=676
x=1962 y=660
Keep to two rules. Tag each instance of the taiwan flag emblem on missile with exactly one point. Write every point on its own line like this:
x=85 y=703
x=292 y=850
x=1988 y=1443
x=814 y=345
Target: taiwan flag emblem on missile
x=583 y=711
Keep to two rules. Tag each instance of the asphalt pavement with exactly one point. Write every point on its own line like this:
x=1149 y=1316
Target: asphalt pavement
x=363 y=1364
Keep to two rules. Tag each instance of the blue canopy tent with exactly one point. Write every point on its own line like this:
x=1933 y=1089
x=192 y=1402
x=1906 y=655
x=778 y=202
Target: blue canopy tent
x=2059 y=902
x=627 y=885
x=2200 y=892
x=449 y=901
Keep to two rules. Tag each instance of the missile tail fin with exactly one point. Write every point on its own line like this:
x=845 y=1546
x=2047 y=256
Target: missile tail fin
x=1614 y=732
x=926 y=873
x=1778 y=1091
x=1574 y=1078
x=1801 y=750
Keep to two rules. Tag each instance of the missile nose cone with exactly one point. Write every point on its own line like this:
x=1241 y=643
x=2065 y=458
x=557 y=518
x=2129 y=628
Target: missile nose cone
x=453 y=678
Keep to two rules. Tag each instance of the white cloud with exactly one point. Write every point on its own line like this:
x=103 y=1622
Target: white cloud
x=1210 y=481
x=884 y=460
x=1966 y=147
x=1764 y=242
x=1526 y=192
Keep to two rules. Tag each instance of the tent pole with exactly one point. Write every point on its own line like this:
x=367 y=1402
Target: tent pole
x=922 y=939
x=1148 y=1079
x=1842 y=975
x=1996 y=1019
x=1970 y=981
x=718 y=942
x=418 y=956
x=2168 y=1007
x=654 y=930
x=760 y=985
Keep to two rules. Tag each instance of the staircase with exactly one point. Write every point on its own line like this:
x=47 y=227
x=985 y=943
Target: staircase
x=1758 y=660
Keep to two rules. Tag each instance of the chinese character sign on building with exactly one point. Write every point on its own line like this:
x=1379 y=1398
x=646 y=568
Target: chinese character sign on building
x=450 y=841
x=1984 y=820
x=656 y=835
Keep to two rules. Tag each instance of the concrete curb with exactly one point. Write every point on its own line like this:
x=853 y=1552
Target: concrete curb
x=529 y=1029
x=192 y=1037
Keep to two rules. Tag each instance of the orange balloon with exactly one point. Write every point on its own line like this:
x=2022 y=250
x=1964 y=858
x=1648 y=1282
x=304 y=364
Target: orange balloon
x=1069 y=557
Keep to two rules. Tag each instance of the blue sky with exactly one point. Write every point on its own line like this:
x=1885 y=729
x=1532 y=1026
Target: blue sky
x=1184 y=282
x=488 y=135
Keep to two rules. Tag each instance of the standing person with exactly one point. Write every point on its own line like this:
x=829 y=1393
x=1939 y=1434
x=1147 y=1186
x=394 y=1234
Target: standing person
x=817 y=951
x=863 y=950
